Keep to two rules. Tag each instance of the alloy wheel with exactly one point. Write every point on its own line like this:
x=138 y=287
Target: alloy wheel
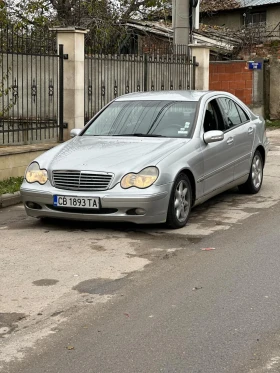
x=257 y=171
x=182 y=201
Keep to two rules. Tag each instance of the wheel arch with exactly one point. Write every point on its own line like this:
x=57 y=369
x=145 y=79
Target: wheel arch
x=260 y=148
x=190 y=175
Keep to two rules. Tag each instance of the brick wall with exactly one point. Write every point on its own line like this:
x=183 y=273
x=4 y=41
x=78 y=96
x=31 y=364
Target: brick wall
x=151 y=44
x=233 y=77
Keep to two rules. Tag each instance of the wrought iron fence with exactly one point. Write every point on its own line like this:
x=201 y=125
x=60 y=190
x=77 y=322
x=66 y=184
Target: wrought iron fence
x=29 y=86
x=151 y=68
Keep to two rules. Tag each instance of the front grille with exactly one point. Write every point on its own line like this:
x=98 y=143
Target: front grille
x=82 y=180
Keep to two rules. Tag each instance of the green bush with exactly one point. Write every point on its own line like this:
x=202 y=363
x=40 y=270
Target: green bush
x=10 y=185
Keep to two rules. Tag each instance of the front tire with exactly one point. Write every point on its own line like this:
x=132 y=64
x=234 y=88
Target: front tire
x=180 y=202
x=254 y=182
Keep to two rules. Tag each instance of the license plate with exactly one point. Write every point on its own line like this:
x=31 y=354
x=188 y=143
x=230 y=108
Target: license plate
x=77 y=202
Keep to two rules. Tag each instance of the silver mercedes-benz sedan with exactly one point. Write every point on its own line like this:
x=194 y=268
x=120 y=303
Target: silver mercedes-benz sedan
x=149 y=158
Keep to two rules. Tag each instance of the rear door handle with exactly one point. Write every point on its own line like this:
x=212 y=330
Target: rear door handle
x=230 y=140
x=250 y=130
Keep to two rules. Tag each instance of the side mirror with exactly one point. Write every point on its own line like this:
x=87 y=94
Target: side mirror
x=75 y=132
x=213 y=136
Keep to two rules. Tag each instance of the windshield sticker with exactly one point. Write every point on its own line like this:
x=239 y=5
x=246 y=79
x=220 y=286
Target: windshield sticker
x=185 y=132
x=186 y=127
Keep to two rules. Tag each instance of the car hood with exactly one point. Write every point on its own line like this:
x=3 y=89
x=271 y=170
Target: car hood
x=117 y=155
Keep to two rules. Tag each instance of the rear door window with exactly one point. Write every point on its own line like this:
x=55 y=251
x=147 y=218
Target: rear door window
x=243 y=115
x=230 y=112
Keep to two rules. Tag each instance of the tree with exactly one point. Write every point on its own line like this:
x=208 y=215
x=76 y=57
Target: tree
x=143 y=8
x=60 y=12
x=100 y=17
x=77 y=12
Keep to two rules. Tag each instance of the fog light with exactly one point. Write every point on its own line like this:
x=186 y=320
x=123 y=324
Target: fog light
x=33 y=206
x=140 y=212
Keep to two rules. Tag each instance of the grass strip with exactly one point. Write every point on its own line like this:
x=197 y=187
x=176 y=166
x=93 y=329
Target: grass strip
x=10 y=185
x=272 y=123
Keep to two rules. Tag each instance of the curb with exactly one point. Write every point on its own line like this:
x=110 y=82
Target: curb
x=10 y=199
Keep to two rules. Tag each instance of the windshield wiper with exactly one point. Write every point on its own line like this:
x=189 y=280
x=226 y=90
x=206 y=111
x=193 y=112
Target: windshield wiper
x=140 y=135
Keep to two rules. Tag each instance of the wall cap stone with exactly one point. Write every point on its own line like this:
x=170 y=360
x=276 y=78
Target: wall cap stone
x=78 y=30
x=10 y=150
x=202 y=46
x=228 y=62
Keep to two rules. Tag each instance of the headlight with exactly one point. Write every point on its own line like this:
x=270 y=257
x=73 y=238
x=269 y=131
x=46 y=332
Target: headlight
x=142 y=180
x=34 y=173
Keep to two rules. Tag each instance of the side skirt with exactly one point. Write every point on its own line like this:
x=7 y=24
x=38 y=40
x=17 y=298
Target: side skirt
x=233 y=184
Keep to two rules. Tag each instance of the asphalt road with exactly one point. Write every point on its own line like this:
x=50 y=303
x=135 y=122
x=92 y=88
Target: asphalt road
x=82 y=298
x=196 y=311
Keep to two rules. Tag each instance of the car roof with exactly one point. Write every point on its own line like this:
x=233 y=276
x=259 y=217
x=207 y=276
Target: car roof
x=164 y=96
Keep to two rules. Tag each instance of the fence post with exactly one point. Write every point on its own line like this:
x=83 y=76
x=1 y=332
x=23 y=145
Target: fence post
x=145 y=72
x=74 y=71
x=193 y=72
x=202 y=70
x=61 y=93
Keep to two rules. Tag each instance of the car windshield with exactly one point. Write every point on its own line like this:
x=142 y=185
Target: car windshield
x=145 y=118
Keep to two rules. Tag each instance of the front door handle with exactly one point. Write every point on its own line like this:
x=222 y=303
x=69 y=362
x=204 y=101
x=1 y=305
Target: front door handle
x=250 y=130
x=230 y=140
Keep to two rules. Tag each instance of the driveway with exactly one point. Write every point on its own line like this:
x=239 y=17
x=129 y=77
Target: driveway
x=54 y=270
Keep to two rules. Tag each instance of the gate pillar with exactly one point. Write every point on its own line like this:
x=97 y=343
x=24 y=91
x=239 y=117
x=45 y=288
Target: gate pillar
x=72 y=38
x=202 y=54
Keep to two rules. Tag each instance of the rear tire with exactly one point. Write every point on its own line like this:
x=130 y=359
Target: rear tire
x=254 y=182
x=180 y=202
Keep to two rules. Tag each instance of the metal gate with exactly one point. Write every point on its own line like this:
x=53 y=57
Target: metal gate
x=31 y=88
x=108 y=76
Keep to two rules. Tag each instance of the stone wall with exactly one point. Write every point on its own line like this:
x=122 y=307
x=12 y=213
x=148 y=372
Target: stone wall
x=15 y=159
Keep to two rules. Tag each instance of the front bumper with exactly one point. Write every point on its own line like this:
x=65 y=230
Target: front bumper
x=116 y=204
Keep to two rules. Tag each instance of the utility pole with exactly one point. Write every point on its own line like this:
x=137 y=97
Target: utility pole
x=181 y=21
x=196 y=16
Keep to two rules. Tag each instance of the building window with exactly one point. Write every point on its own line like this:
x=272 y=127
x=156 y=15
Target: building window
x=255 y=18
